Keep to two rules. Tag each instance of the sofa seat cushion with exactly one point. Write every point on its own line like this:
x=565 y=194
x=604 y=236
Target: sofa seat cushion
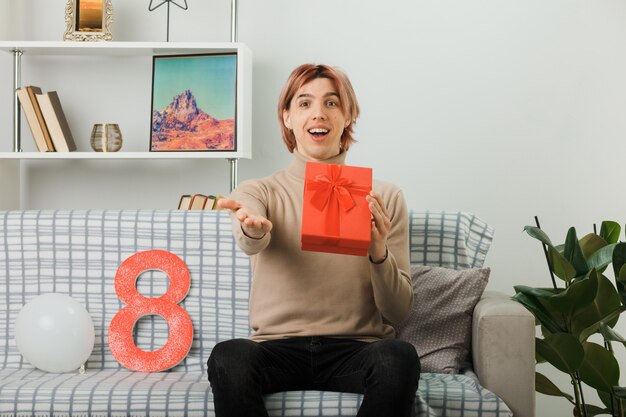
x=103 y=393
x=112 y=393
x=437 y=395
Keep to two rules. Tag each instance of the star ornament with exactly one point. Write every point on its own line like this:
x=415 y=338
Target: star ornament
x=152 y=7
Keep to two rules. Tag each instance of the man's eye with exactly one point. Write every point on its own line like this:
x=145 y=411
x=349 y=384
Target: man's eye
x=304 y=104
x=331 y=103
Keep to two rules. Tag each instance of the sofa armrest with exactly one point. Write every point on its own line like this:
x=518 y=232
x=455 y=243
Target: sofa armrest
x=503 y=351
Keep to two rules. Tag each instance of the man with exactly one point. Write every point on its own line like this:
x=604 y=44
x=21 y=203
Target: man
x=320 y=321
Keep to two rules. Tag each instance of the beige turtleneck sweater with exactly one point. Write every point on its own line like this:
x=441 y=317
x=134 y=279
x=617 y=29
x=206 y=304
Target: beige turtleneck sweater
x=300 y=293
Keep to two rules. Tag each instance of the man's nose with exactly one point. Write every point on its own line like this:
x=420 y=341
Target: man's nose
x=319 y=112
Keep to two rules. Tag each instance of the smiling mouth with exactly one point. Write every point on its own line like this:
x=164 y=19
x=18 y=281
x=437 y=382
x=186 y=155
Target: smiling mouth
x=318 y=133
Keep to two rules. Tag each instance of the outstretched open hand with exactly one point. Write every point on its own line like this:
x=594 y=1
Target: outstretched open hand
x=380 y=227
x=253 y=224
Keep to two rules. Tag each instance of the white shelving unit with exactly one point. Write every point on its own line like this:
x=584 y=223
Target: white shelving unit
x=115 y=155
x=11 y=160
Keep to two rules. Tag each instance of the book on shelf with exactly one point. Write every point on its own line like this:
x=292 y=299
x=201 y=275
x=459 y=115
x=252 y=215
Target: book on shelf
x=198 y=201
x=210 y=202
x=217 y=198
x=34 y=117
x=56 y=122
x=184 y=202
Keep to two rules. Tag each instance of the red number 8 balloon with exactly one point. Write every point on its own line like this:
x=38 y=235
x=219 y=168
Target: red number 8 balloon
x=180 y=337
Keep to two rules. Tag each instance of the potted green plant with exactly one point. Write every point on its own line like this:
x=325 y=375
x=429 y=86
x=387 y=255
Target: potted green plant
x=582 y=305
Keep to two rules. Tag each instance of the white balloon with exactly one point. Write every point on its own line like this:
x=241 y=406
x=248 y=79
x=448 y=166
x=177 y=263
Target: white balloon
x=54 y=333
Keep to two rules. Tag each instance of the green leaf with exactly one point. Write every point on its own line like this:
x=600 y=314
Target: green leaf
x=577 y=296
x=562 y=350
x=588 y=331
x=538 y=234
x=545 y=386
x=602 y=257
x=619 y=258
x=539 y=359
x=620 y=281
x=591 y=243
x=599 y=368
x=545 y=293
x=606 y=399
x=561 y=267
x=611 y=335
x=539 y=311
x=574 y=254
x=609 y=231
x=605 y=302
x=593 y=410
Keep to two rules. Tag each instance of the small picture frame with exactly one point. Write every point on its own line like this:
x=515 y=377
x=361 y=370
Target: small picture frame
x=88 y=20
x=194 y=103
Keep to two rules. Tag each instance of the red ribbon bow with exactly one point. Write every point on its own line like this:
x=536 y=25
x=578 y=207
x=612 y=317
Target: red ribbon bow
x=332 y=187
x=331 y=194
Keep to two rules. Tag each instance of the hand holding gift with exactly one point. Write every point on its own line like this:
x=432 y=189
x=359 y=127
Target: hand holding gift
x=380 y=228
x=253 y=224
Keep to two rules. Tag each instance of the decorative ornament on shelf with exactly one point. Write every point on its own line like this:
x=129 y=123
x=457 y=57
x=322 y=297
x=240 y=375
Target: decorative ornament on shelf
x=88 y=20
x=152 y=7
x=106 y=137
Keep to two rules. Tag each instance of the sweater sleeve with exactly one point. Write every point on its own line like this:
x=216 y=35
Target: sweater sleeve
x=391 y=279
x=251 y=194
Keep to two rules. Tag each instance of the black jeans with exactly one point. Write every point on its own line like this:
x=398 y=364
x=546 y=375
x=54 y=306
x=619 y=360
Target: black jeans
x=242 y=371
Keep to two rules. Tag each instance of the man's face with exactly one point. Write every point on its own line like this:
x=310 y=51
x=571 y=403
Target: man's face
x=316 y=117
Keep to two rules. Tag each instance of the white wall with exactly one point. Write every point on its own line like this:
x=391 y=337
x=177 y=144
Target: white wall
x=11 y=18
x=508 y=109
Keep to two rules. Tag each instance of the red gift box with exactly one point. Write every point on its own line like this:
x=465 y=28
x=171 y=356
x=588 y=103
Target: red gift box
x=335 y=215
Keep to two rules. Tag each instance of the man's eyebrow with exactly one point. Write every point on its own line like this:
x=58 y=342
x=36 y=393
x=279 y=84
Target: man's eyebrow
x=306 y=95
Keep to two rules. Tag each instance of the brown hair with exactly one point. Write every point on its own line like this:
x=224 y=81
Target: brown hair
x=347 y=98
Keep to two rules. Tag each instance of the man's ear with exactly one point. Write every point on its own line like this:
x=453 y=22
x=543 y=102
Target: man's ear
x=286 y=119
x=348 y=122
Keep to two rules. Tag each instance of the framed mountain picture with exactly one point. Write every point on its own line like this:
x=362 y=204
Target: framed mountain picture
x=194 y=103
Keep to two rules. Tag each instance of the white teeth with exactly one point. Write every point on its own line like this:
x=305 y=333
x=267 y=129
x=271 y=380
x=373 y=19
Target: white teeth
x=318 y=131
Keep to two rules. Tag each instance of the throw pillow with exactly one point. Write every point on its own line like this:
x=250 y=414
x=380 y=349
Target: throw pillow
x=452 y=239
x=439 y=325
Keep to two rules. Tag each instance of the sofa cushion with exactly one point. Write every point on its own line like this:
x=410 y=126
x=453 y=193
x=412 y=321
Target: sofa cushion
x=437 y=395
x=440 y=322
x=106 y=393
x=451 y=239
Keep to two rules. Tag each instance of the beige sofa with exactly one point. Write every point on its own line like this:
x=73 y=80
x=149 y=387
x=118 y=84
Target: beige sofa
x=503 y=351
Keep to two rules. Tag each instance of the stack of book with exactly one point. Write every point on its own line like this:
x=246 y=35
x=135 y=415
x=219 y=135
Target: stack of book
x=46 y=119
x=198 y=202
